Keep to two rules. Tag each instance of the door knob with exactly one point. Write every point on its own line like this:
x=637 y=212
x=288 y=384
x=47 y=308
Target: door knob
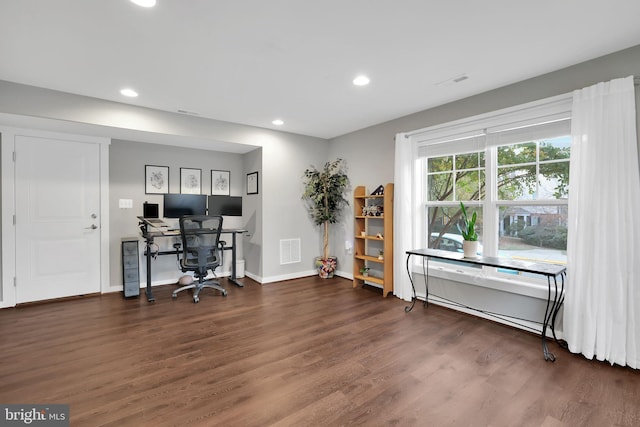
x=93 y=227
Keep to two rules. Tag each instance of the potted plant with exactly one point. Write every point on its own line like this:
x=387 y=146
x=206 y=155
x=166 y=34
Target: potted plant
x=365 y=271
x=469 y=234
x=324 y=194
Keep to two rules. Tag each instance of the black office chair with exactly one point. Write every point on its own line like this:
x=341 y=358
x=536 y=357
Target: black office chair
x=200 y=251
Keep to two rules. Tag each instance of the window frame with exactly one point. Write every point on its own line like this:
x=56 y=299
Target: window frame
x=477 y=134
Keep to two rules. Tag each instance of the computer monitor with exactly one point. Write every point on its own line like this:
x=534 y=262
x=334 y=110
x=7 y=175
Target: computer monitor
x=225 y=205
x=179 y=205
x=150 y=210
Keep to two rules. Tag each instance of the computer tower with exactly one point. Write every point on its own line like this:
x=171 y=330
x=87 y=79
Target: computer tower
x=130 y=267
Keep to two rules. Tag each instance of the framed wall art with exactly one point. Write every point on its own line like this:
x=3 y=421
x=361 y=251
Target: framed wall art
x=220 y=183
x=252 y=183
x=156 y=179
x=190 y=181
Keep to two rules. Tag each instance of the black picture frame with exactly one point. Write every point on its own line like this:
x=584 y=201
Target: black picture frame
x=252 y=183
x=190 y=181
x=156 y=179
x=220 y=183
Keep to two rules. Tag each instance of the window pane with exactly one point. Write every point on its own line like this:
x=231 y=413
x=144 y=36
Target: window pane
x=517 y=183
x=467 y=161
x=533 y=233
x=469 y=185
x=440 y=186
x=555 y=148
x=516 y=154
x=443 y=232
x=440 y=164
x=554 y=180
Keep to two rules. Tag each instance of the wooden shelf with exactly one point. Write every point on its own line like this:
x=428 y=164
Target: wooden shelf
x=370 y=242
x=371 y=279
x=369 y=237
x=369 y=258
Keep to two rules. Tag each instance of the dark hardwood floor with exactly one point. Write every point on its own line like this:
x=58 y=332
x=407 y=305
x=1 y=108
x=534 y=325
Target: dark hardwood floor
x=306 y=352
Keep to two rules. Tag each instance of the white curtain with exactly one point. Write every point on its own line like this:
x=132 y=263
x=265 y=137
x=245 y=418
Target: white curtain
x=602 y=305
x=402 y=215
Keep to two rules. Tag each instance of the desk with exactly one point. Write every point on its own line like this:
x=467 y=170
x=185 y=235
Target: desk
x=149 y=237
x=550 y=271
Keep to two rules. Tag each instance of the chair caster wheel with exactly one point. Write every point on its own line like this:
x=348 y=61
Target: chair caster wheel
x=174 y=296
x=196 y=300
x=224 y=294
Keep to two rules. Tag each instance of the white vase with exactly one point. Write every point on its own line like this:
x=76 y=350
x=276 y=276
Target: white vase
x=470 y=248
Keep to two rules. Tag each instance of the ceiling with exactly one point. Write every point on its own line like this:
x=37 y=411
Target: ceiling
x=252 y=61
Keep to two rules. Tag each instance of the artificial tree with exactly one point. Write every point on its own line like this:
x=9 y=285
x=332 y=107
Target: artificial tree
x=324 y=194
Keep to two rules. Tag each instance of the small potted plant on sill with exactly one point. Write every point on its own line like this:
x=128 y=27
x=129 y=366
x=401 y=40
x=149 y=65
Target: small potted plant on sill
x=365 y=271
x=469 y=234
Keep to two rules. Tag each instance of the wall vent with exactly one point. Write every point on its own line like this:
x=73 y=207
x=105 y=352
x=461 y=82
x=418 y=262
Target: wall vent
x=289 y=251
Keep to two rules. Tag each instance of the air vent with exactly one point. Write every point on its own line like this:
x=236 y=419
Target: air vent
x=453 y=80
x=289 y=251
x=191 y=113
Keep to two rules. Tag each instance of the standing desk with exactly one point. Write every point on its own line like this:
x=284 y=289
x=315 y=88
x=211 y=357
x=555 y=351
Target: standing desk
x=550 y=271
x=150 y=236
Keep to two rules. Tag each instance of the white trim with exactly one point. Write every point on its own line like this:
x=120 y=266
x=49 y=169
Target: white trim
x=282 y=277
x=7 y=147
x=553 y=108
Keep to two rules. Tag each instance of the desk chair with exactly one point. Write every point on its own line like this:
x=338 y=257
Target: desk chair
x=200 y=251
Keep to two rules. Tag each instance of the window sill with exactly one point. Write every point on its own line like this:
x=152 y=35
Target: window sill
x=482 y=279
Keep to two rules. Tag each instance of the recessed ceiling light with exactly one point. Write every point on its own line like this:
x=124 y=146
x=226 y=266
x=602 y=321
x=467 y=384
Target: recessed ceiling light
x=129 y=92
x=278 y=122
x=144 y=3
x=361 y=81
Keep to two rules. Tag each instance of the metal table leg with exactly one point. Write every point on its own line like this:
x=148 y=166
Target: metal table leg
x=233 y=278
x=150 y=297
x=413 y=300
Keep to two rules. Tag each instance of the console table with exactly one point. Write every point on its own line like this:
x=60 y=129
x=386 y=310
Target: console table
x=550 y=271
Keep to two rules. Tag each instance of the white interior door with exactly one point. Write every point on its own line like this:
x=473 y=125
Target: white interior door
x=57 y=218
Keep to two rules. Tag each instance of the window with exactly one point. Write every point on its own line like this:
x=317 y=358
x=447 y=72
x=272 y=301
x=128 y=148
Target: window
x=510 y=168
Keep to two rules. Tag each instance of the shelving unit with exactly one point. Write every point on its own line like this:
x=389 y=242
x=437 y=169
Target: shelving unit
x=367 y=242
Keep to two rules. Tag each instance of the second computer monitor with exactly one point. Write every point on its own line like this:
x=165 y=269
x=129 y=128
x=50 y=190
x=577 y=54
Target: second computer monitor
x=225 y=205
x=178 y=205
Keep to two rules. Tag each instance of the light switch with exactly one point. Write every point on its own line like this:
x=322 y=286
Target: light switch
x=125 y=204
x=348 y=246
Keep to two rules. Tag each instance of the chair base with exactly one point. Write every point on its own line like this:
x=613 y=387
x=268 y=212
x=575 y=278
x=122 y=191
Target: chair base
x=198 y=286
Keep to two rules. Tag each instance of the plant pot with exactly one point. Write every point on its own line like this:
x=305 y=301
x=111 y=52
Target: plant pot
x=470 y=248
x=326 y=267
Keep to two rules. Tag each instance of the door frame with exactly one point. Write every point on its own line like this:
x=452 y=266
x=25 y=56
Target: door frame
x=8 y=229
